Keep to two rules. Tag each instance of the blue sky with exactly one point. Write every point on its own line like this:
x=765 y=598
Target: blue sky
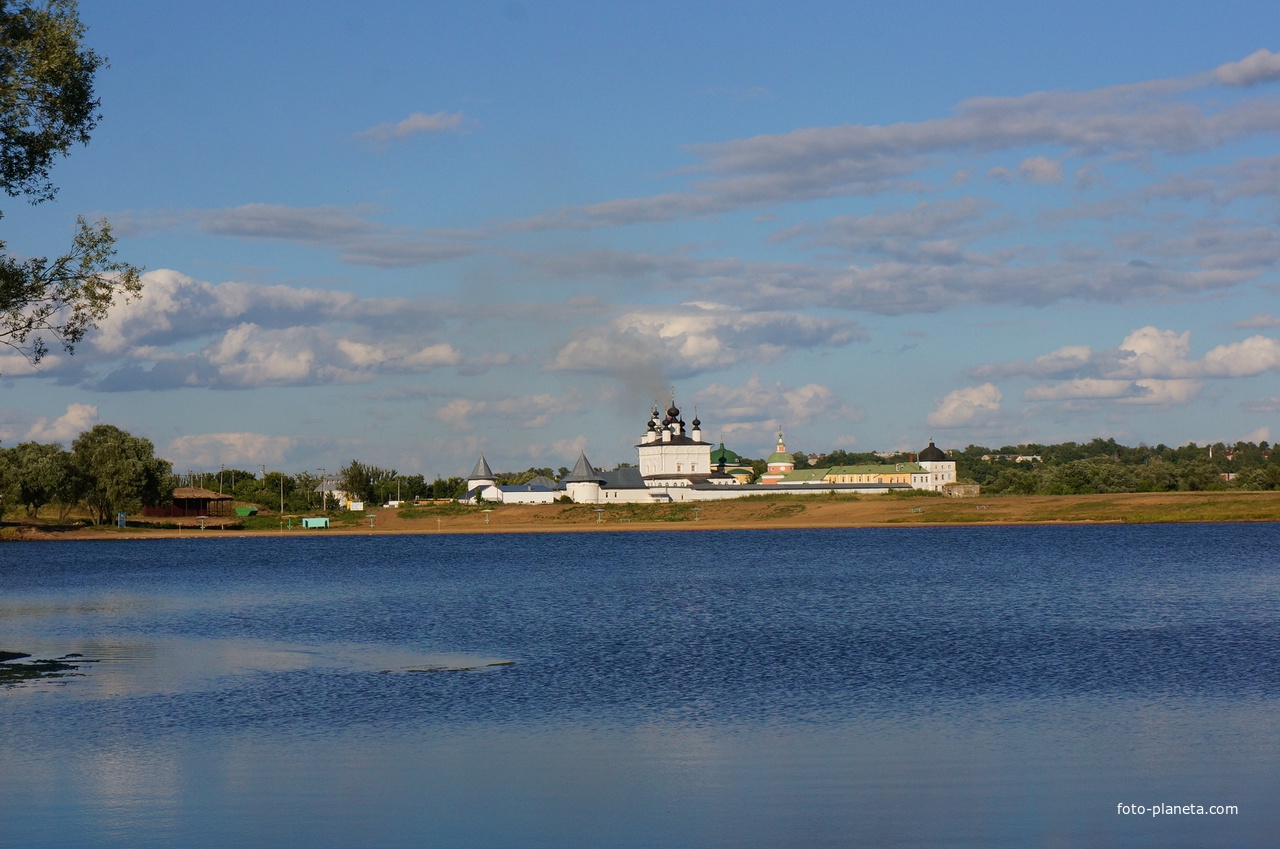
x=409 y=232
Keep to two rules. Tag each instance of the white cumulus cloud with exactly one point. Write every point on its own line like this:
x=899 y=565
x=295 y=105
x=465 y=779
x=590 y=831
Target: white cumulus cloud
x=966 y=406
x=1254 y=355
x=1151 y=366
x=77 y=419
x=1262 y=434
x=1258 y=67
x=1041 y=170
x=417 y=122
x=757 y=410
x=185 y=332
x=693 y=338
x=210 y=450
x=524 y=411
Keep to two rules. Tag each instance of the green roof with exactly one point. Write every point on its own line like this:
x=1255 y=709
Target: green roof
x=803 y=475
x=878 y=469
x=730 y=457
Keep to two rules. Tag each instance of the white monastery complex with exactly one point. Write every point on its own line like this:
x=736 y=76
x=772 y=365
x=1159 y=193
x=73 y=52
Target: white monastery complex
x=675 y=464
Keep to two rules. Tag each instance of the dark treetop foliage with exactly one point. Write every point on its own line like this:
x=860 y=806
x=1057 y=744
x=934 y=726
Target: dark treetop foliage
x=47 y=103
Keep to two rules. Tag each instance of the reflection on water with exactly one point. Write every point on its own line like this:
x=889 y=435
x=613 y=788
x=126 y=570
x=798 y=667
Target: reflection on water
x=999 y=687
x=186 y=665
x=1007 y=781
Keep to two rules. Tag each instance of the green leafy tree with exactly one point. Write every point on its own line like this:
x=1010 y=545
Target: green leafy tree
x=6 y=481
x=71 y=489
x=1110 y=476
x=40 y=472
x=1199 y=475
x=121 y=471
x=971 y=468
x=1156 y=476
x=302 y=495
x=361 y=482
x=413 y=486
x=1259 y=478
x=847 y=458
x=228 y=479
x=400 y=488
x=248 y=489
x=264 y=491
x=47 y=104
x=1013 y=481
x=521 y=478
x=452 y=488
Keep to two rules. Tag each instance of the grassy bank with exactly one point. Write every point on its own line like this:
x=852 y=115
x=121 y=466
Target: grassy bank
x=786 y=511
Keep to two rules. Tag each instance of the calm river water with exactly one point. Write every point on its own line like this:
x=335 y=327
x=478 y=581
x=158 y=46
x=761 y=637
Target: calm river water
x=974 y=687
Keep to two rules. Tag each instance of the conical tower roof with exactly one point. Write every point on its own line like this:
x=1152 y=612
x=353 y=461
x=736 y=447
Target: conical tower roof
x=582 y=472
x=481 y=472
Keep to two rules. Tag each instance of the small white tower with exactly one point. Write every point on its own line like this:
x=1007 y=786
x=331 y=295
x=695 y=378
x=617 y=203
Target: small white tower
x=582 y=485
x=481 y=475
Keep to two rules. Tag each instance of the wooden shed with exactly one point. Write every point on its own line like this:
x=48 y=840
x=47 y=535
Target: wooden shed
x=194 y=501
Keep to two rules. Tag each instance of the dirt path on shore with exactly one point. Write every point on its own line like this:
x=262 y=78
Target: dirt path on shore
x=744 y=514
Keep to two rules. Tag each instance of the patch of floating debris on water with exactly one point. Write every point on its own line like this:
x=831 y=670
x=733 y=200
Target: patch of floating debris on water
x=479 y=668
x=15 y=669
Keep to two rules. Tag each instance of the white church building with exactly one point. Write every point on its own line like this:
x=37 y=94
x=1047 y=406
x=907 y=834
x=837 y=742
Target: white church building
x=674 y=464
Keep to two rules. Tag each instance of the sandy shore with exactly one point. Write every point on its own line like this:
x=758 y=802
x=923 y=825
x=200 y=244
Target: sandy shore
x=755 y=513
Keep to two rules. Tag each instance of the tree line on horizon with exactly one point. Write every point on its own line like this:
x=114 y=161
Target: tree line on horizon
x=1105 y=466
x=307 y=491
x=1097 y=466
x=108 y=470
x=1066 y=468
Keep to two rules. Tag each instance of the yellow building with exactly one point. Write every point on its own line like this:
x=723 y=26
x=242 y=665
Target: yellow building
x=907 y=474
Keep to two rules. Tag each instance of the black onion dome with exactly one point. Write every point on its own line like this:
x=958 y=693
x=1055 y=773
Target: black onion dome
x=932 y=454
x=673 y=412
x=696 y=423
